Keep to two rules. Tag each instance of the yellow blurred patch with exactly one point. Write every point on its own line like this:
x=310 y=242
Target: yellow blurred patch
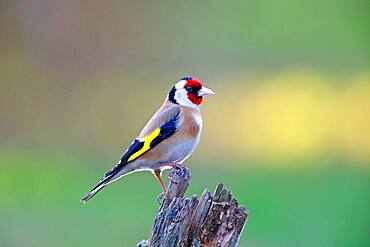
x=299 y=113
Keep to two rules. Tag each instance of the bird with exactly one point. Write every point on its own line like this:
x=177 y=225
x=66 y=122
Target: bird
x=167 y=140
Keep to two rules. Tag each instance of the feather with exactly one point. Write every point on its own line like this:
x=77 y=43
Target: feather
x=137 y=149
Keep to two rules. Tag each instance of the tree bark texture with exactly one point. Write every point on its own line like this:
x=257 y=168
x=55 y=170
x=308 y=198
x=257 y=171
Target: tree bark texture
x=209 y=221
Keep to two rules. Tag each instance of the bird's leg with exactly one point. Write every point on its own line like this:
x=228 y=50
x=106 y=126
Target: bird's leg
x=157 y=174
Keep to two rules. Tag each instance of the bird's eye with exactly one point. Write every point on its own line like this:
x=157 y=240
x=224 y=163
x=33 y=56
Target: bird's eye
x=188 y=89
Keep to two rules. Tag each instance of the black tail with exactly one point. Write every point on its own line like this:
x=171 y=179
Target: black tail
x=118 y=171
x=96 y=189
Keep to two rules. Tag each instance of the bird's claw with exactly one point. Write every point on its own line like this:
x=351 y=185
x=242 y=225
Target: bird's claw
x=172 y=164
x=176 y=165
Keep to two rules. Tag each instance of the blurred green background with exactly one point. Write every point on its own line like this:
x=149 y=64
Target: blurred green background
x=288 y=131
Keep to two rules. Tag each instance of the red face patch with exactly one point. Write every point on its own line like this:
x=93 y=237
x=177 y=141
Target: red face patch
x=192 y=86
x=193 y=98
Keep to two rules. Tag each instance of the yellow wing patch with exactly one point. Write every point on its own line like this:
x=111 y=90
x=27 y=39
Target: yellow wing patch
x=147 y=140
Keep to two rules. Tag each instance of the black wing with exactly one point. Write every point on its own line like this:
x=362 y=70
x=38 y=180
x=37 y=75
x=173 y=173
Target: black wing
x=138 y=148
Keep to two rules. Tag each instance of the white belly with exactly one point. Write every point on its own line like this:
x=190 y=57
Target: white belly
x=182 y=151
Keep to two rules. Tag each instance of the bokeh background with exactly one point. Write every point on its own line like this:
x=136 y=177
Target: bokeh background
x=288 y=131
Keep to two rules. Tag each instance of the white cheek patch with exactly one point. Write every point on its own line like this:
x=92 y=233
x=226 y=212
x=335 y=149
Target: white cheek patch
x=181 y=96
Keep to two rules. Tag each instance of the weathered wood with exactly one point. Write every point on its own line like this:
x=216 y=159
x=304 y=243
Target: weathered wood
x=211 y=221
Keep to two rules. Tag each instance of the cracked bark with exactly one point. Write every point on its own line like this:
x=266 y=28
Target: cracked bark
x=213 y=220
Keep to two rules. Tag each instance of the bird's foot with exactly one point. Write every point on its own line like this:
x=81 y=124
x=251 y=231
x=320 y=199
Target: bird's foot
x=173 y=165
x=176 y=165
x=179 y=173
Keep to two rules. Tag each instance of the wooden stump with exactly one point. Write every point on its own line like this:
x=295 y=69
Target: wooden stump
x=213 y=220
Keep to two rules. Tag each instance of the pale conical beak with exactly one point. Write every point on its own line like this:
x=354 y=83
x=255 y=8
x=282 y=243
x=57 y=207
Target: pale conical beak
x=205 y=91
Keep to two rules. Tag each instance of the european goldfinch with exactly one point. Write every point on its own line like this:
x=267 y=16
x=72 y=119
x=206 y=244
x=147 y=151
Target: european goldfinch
x=169 y=137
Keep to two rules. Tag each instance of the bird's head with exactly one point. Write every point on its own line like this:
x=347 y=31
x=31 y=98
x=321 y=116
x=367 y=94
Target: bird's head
x=188 y=91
